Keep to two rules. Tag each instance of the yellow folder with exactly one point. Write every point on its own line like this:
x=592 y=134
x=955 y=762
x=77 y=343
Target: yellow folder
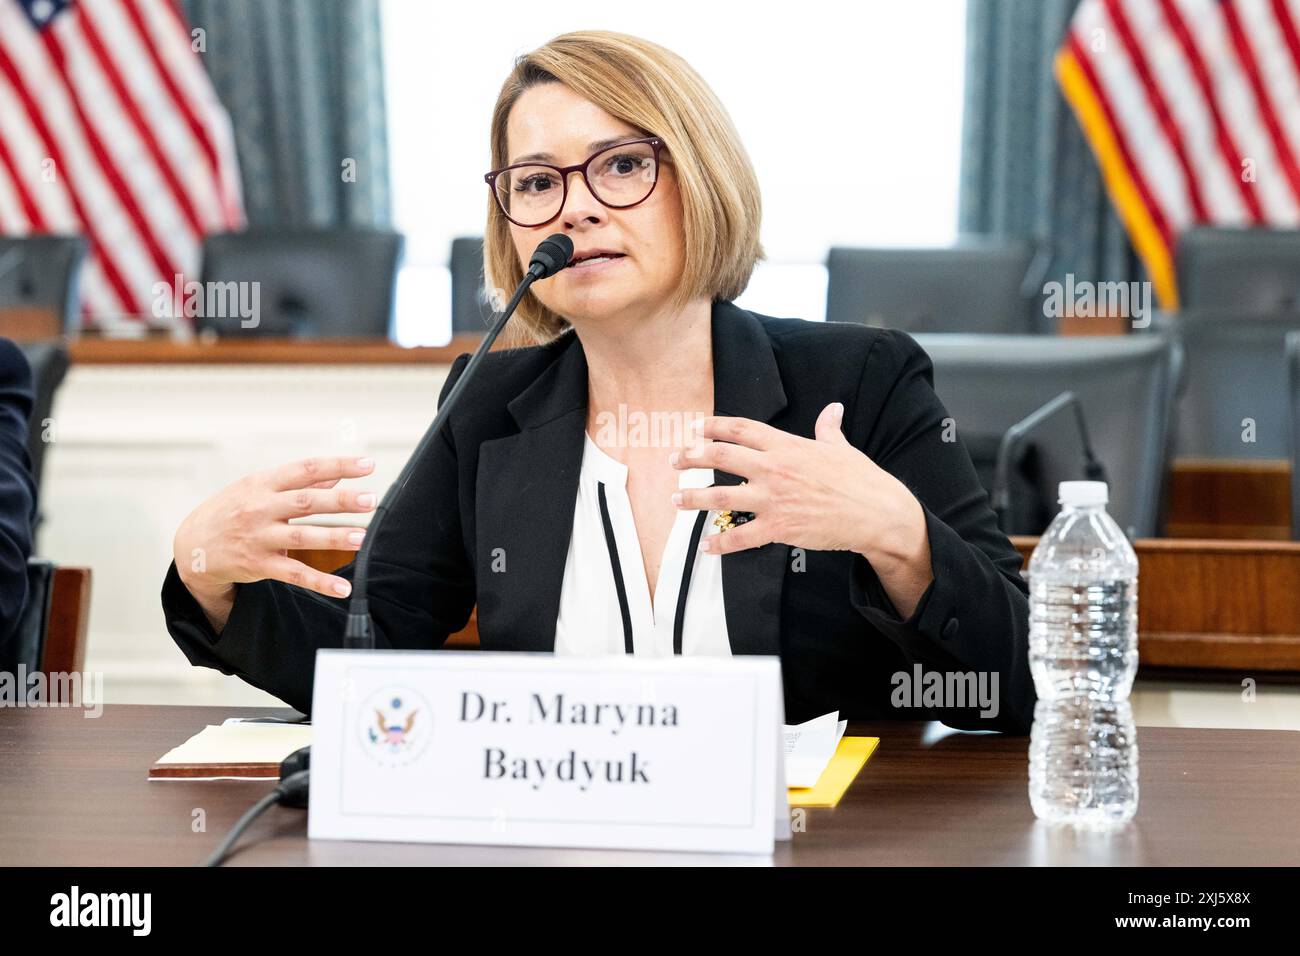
x=849 y=757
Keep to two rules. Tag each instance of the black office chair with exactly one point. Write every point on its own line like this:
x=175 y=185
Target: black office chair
x=43 y=272
x=1244 y=271
x=982 y=286
x=301 y=283
x=471 y=312
x=1234 y=404
x=1125 y=386
x=50 y=636
x=26 y=645
x=49 y=364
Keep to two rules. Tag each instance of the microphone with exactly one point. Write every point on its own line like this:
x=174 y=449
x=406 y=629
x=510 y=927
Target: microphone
x=550 y=257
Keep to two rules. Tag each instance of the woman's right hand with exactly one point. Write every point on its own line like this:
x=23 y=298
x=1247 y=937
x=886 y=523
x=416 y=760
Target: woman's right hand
x=243 y=534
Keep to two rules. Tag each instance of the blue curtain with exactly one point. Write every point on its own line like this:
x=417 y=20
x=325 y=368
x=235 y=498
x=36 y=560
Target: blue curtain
x=1027 y=171
x=303 y=82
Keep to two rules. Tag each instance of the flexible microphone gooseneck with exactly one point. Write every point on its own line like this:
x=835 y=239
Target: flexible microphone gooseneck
x=551 y=256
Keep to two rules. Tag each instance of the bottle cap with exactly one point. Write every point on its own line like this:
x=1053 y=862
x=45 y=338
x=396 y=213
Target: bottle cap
x=1082 y=494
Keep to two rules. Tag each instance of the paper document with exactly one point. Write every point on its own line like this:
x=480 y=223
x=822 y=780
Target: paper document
x=809 y=747
x=849 y=757
x=237 y=750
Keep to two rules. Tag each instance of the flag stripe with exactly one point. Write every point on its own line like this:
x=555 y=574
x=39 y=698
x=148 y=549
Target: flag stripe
x=1260 y=169
x=187 y=68
x=129 y=156
x=31 y=214
x=112 y=272
x=1136 y=126
x=1228 y=148
x=161 y=261
x=1264 y=103
x=132 y=111
x=12 y=220
x=180 y=102
x=49 y=195
x=109 y=127
x=1192 y=108
x=1286 y=28
x=1083 y=96
x=1170 y=69
x=1155 y=98
x=1158 y=217
x=68 y=170
x=169 y=128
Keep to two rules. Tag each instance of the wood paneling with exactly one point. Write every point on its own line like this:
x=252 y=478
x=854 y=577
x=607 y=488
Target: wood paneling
x=65 y=636
x=1222 y=498
x=1089 y=325
x=155 y=351
x=29 y=325
x=1215 y=605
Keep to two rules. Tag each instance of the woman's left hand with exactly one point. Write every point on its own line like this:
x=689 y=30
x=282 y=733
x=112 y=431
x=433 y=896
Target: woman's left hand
x=819 y=494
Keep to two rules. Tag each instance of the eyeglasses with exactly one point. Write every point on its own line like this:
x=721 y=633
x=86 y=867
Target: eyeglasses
x=621 y=176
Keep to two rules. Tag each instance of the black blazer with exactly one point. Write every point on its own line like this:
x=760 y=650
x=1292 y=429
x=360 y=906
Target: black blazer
x=17 y=495
x=502 y=479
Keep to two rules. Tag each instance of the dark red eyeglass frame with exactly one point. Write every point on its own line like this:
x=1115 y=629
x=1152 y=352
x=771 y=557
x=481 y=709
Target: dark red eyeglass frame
x=567 y=171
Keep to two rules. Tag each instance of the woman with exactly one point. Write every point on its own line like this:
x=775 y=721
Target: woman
x=870 y=557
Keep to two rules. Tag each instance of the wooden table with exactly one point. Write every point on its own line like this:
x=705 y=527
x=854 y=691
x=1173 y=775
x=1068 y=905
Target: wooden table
x=1209 y=605
x=1229 y=498
x=74 y=791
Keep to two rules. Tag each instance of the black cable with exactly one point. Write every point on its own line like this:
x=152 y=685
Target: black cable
x=290 y=792
x=359 y=631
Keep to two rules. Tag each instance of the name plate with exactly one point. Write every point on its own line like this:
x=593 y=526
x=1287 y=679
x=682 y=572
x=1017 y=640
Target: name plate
x=539 y=750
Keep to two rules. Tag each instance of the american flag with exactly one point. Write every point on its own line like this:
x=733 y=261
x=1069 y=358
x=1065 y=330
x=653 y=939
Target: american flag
x=110 y=128
x=1192 y=108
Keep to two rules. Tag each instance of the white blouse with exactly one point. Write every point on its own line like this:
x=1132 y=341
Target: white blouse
x=591 y=618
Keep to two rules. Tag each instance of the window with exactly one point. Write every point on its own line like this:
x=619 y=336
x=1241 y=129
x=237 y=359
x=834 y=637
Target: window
x=869 y=94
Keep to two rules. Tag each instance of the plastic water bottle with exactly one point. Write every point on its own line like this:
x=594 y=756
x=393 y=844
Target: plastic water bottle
x=1083 y=754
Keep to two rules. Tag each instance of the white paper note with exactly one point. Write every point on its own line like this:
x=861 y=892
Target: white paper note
x=809 y=748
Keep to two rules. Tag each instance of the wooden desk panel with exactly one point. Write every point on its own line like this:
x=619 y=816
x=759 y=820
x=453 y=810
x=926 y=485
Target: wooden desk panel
x=1209 y=605
x=75 y=793
x=25 y=324
x=1215 y=605
x=1212 y=605
x=1220 y=498
x=268 y=351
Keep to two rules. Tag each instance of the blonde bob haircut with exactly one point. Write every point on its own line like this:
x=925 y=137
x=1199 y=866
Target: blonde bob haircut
x=656 y=91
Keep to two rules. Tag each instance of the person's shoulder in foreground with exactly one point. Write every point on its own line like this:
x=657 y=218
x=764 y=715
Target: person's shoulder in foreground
x=17 y=493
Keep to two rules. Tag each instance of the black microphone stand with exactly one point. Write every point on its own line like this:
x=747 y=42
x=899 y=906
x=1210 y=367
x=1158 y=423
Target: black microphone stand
x=551 y=256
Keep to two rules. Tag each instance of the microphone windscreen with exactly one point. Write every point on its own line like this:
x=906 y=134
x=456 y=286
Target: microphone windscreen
x=553 y=254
